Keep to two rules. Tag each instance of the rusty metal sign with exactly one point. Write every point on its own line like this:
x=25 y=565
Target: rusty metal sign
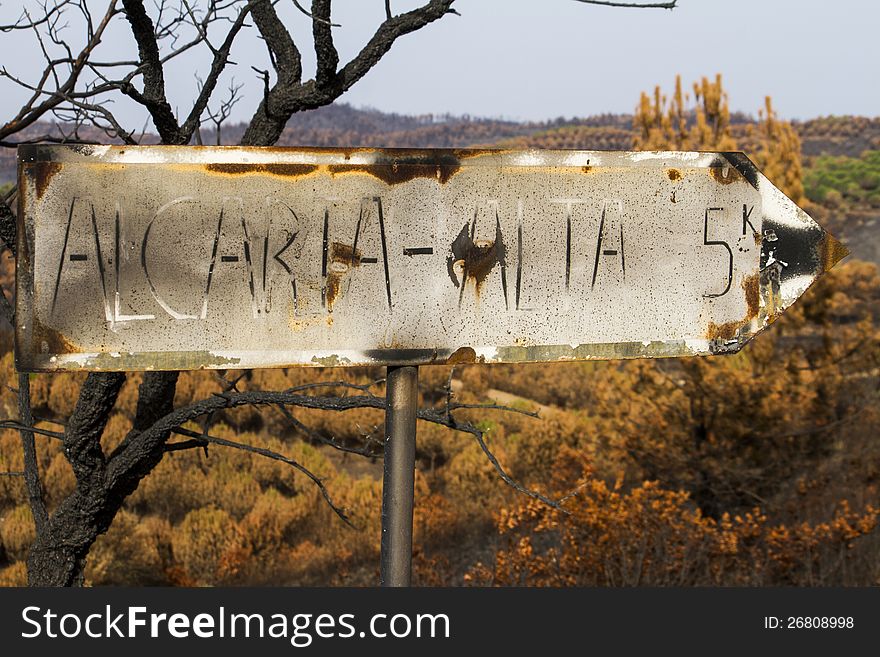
x=135 y=258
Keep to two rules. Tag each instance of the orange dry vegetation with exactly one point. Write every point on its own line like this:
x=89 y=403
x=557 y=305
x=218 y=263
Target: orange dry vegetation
x=650 y=536
x=759 y=468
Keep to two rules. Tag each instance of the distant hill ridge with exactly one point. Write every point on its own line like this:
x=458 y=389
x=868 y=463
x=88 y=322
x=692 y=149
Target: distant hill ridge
x=344 y=125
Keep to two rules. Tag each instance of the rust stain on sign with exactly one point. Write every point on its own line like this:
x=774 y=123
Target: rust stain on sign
x=752 y=287
x=726 y=331
x=726 y=175
x=342 y=258
x=50 y=341
x=42 y=176
x=235 y=168
x=462 y=355
x=397 y=174
x=203 y=257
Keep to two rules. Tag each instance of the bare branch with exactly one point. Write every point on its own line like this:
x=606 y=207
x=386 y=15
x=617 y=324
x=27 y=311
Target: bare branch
x=32 y=481
x=285 y=55
x=219 y=116
x=493 y=407
x=218 y=65
x=325 y=50
x=151 y=438
x=316 y=17
x=155 y=399
x=18 y=426
x=34 y=109
x=85 y=112
x=289 y=95
x=201 y=439
x=445 y=419
x=319 y=437
x=632 y=5
x=49 y=139
x=153 y=97
x=147 y=442
x=26 y=23
x=82 y=440
x=387 y=34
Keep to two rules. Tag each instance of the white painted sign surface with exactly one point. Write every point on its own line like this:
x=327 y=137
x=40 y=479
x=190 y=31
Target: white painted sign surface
x=184 y=257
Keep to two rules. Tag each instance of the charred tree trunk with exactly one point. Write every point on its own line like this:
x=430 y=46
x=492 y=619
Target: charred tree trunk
x=58 y=554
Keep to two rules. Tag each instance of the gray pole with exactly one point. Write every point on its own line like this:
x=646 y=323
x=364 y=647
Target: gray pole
x=402 y=393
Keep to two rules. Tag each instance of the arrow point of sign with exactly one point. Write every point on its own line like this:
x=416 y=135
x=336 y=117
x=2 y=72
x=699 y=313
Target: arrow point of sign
x=832 y=251
x=795 y=249
x=795 y=252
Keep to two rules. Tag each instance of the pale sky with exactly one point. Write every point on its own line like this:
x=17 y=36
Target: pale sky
x=539 y=59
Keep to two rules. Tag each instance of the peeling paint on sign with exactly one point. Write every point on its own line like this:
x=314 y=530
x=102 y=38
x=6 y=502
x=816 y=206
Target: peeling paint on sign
x=137 y=258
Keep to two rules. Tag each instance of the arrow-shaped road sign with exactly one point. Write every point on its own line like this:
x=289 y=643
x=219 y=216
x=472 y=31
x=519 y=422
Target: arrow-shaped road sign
x=182 y=257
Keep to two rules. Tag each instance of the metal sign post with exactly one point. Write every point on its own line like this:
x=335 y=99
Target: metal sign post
x=402 y=394
x=175 y=258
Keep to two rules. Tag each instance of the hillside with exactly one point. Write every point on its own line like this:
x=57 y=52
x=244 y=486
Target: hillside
x=344 y=125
